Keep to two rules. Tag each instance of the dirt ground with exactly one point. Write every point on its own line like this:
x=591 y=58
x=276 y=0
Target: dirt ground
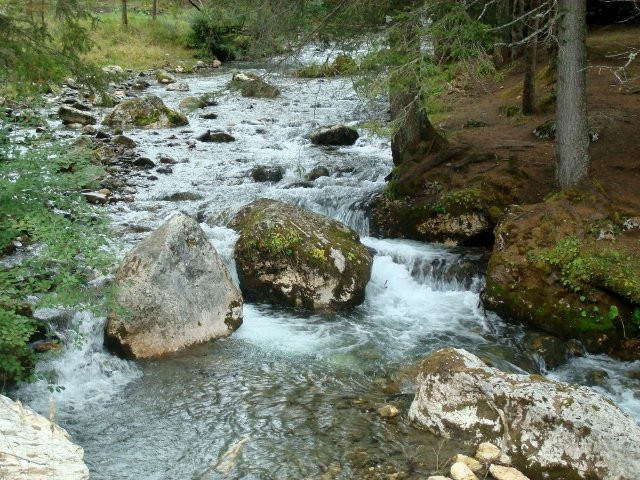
x=614 y=112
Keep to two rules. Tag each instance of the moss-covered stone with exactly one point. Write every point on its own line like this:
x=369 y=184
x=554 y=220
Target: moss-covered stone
x=446 y=199
x=290 y=256
x=164 y=78
x=251 y=85
x=145 y=112
x=555 y=267
x=192 y=103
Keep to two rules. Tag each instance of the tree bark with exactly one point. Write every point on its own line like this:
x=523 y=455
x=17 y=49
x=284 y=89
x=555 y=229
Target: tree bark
x=572 y=135
x=414 y=136
x=517 y=30
x=125 y=20
x=154 y=9
x=530 y=65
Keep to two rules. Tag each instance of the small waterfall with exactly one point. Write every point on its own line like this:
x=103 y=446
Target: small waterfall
x=88 y=374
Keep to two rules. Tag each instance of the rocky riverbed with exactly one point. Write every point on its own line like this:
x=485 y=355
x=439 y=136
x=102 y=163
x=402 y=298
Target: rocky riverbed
x=291 y=393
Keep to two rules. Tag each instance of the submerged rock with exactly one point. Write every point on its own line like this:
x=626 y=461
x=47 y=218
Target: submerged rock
x=388 y=411
x=192 y=103
x=149 y=112
x=287 y=255
x=178 y=87
x=33 y=448
x=124 y=141
x=553 y=430
x=334 y=135
x=174 y=291
x=318 y=172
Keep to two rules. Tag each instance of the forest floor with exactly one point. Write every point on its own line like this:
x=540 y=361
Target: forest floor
x=613 y=110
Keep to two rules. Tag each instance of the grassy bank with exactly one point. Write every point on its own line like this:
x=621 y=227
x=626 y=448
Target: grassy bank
x=144 y=43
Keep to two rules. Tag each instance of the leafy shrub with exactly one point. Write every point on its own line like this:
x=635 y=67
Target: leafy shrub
x=219 y=32
x=62 y=237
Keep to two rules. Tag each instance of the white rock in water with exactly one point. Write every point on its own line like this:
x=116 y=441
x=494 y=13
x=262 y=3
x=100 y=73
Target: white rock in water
x=460 y=471
x=438 y=477
x=472 y=463
x=506 y=473
x=554 y=429
x=489 y=453
x=33 y=448
x=388 y=411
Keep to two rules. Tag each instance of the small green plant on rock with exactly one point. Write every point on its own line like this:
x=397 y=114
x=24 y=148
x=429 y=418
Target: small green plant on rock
x=318 y=254
x=282 y=242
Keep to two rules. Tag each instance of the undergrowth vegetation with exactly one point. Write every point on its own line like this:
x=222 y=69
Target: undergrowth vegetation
x=52 y=242
x=143 y=43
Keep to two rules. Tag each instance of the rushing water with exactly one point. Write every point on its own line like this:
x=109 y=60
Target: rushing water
x=290 y=394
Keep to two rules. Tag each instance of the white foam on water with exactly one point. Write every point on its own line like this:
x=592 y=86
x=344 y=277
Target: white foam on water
x=398 y=314
x=89 y=374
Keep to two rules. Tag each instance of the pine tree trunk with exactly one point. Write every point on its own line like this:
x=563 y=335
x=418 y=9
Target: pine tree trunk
x=125 y=20
x=154 y=9
x=414 y=137
x=572 y=136
x=530 y=65
x=517 y=31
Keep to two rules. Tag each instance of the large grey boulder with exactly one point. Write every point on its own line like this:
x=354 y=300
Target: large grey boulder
x=287 y=255
x=33 y=448
x=550 y=429
x=149 y=112
x=174 y=291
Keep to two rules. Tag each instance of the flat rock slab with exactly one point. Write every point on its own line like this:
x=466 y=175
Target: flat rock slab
x=33 y=448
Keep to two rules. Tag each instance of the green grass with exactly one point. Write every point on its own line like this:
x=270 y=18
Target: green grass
x=144 y=43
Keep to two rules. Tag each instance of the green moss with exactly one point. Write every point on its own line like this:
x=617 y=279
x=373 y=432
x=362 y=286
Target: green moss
x=142 y=120
x=315 y=71
x=176 y=118
x=584 y=263
x=280 y=241
x=318 y=254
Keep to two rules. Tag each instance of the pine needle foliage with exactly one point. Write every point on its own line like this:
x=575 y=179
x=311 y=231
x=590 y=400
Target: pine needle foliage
x=42 y=41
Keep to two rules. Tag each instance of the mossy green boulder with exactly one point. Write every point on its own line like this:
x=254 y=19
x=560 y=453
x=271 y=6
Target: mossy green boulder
x=164 y=78
x=192 y=103
x=145 y=112
x=570 y=266
x=251 y=85
x=290 y=256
